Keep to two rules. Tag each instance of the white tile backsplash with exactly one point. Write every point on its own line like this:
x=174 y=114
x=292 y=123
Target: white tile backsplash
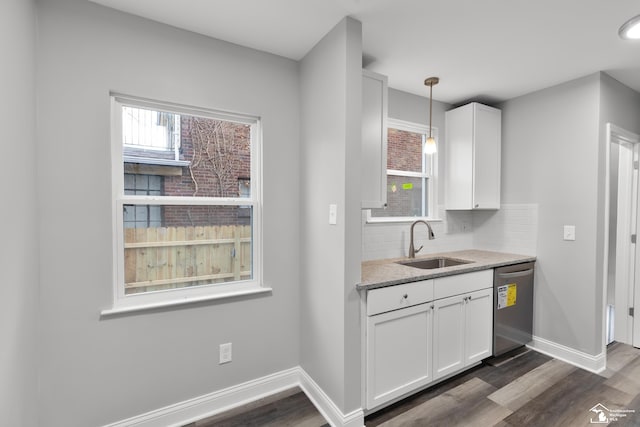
x=391 y=240
x=512 y=229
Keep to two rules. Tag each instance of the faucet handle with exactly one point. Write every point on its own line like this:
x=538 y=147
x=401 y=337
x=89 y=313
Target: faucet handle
x=418 y=250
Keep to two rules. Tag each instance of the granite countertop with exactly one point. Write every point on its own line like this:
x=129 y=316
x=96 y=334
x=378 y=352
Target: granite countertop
x=385 y=272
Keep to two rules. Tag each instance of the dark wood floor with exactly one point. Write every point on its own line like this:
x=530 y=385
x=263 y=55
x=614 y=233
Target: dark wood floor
x=525 y=389
x=288 y=408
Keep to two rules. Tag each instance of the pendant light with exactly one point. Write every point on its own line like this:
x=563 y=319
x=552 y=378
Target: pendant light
x=430 y=145
x=630 y=30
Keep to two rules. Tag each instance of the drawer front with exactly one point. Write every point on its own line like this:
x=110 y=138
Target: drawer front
x=399 y=296
x=462 y=283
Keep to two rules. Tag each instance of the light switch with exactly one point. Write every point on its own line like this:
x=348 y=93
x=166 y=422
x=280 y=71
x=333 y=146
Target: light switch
x=569 y=232
x=333 y=214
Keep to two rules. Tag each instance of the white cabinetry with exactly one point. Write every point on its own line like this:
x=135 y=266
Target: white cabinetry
x=478 y=326
x=473 y=141
x=461 y=331
x=448 y=332
x=462 y=321
x=419 y=332
x=398 y=349
x=374 y=140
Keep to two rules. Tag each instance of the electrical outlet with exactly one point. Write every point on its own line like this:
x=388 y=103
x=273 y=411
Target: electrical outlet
x=225 y=353
x=569 y=232
x=333 y=214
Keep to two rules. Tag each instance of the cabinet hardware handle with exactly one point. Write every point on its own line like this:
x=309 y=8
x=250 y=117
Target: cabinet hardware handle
x=432 y=306
x=405 y=296
x=477 y=205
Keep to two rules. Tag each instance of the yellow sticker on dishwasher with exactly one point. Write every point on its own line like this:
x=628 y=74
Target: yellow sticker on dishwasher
x=507 y=295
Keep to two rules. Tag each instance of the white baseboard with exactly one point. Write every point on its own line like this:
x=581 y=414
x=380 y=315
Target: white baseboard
x=595 y=364
x=214 y=403
x=326 y=407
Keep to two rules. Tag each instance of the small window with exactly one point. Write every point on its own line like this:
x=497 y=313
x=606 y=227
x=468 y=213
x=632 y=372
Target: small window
x=410 y=173
x=142 y=216
x=150 y=133
x=189 y=228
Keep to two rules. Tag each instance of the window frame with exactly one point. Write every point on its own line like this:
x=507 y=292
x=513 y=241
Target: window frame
x=431 y=187
x=154 y=299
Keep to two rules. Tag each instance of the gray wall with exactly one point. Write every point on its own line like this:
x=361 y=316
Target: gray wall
x=19 y=250
x=619 y=105
x=550 y=156
x=330 y=157
x=553 y=154
x=413 y=108
x=93 y=370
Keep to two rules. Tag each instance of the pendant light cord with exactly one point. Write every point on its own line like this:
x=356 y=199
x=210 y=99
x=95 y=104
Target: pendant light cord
x=430 y=106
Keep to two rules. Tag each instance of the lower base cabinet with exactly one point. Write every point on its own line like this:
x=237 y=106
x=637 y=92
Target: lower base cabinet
x=448 y=328
x=478 y=338
x=399 y=349
x=462 y=329
x=448 y=334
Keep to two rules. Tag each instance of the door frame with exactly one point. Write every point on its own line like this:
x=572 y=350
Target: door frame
x=626 y=220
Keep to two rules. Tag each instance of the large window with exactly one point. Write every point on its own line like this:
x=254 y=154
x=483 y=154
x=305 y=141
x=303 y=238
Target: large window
x=186 y=203
x=410 y=173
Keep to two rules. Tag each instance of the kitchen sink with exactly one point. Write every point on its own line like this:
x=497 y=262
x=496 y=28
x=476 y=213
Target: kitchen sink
x=432 y=263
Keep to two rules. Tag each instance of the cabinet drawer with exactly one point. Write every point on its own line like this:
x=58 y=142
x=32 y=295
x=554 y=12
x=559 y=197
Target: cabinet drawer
x=462 y=283
x=399 y=296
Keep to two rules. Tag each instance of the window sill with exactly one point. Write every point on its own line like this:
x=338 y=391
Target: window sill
x=154 y=161
x=117 y=310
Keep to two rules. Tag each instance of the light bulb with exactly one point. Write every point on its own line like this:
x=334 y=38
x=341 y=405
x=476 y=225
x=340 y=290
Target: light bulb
x=630 y=30
x=430 y=146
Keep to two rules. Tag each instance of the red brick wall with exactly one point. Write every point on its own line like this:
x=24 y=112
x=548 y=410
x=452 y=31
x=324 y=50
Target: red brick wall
x=404 y=150
x=237 y=164
x=184 y=216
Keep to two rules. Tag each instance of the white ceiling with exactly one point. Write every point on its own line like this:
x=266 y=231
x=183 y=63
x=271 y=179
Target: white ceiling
x=485 y=50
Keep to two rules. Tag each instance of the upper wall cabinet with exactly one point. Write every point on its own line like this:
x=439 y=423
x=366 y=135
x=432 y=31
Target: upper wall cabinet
x=472 y=174
x=374 y=140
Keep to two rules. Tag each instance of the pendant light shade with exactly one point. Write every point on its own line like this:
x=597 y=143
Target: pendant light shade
x=430 y=146
x=630 y=30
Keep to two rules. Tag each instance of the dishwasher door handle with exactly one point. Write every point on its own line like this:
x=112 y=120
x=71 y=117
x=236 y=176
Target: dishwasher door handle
x=516 y=273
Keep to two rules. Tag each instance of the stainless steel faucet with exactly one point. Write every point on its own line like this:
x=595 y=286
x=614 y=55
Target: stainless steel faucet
x=412 y=251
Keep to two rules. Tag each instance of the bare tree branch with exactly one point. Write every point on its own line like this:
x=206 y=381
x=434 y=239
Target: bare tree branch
x=214 y=144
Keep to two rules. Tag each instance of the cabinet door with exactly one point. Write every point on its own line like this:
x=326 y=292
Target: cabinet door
x=478 y=325
x=458 y=173
x=374 y=140
x=448 y=336
x=486 y=153
x=472 y=156
x=398 y=353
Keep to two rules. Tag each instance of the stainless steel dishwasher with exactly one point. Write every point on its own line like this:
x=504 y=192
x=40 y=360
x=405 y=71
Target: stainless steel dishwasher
x=512 y=307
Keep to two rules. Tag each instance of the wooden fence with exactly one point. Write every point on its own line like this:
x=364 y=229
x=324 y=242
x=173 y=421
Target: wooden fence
x=159 y=258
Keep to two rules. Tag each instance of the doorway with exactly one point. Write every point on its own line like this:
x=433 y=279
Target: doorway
x=623 y=264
